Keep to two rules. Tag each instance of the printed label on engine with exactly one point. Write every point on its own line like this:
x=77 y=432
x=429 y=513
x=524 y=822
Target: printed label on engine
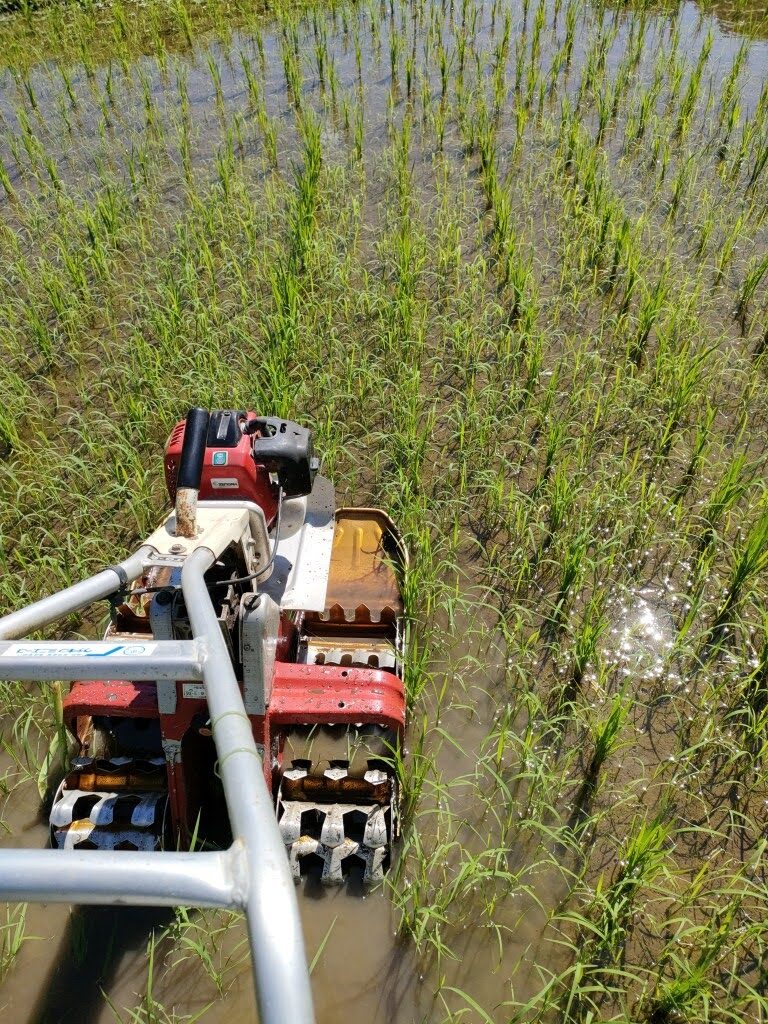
x=221 y=482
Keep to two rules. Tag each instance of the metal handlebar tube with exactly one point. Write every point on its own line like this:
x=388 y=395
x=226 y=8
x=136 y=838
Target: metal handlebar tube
x=274 y=928
x=107 y=582
x=32 y=660
x=124 y=876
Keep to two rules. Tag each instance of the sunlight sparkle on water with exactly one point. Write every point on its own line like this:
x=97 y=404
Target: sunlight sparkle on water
x=643 y=633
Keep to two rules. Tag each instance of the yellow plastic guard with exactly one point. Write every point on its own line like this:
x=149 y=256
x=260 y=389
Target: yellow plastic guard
x=362 y=582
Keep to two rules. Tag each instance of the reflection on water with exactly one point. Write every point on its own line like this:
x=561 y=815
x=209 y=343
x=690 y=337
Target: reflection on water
x=737 y=17
x=643 y=633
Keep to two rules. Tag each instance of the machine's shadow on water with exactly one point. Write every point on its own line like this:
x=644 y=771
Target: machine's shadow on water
x=92 y=947
x=73 y=954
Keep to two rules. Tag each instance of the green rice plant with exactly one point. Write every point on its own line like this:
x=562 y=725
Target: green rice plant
x=182 y=19
x=12 y=935
x=650 y=311
x=149 y=1009
x=679 y=377
x=586 y=644
x=321 y=948
x=303 y=213
x=760 y=163
x=292 y=64
x=687 y=981
x=749 y=286
x=690 y=97
x=604 y=926
x=732 y=486
x=5 y=181
x=215 y=74
x=750 y=559
x=572 y=568
x=200 y=937
x=725 y=253
x=606 y=736
x=359 y=134
x=683 y=181
x=702 y=438
x=749 y=713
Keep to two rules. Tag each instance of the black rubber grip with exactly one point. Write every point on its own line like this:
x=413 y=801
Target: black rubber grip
x=193 y=449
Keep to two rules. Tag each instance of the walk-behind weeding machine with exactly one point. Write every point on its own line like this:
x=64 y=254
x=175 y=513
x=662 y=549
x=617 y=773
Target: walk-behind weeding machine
x=252 y=664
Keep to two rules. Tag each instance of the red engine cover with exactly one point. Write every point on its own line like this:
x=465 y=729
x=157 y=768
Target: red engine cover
x=228 y=473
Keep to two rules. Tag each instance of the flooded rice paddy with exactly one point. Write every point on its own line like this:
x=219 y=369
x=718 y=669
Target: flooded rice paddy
x=509 y=260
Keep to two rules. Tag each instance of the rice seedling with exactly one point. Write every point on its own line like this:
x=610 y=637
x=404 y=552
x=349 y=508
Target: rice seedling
x=12 y=935
x=749 y=560
x=149 y=1010
x=754 y=276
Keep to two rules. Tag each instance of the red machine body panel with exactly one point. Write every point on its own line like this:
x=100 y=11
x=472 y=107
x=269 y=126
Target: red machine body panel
x=109 y=697
x=316 y=694
x=301 y=695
